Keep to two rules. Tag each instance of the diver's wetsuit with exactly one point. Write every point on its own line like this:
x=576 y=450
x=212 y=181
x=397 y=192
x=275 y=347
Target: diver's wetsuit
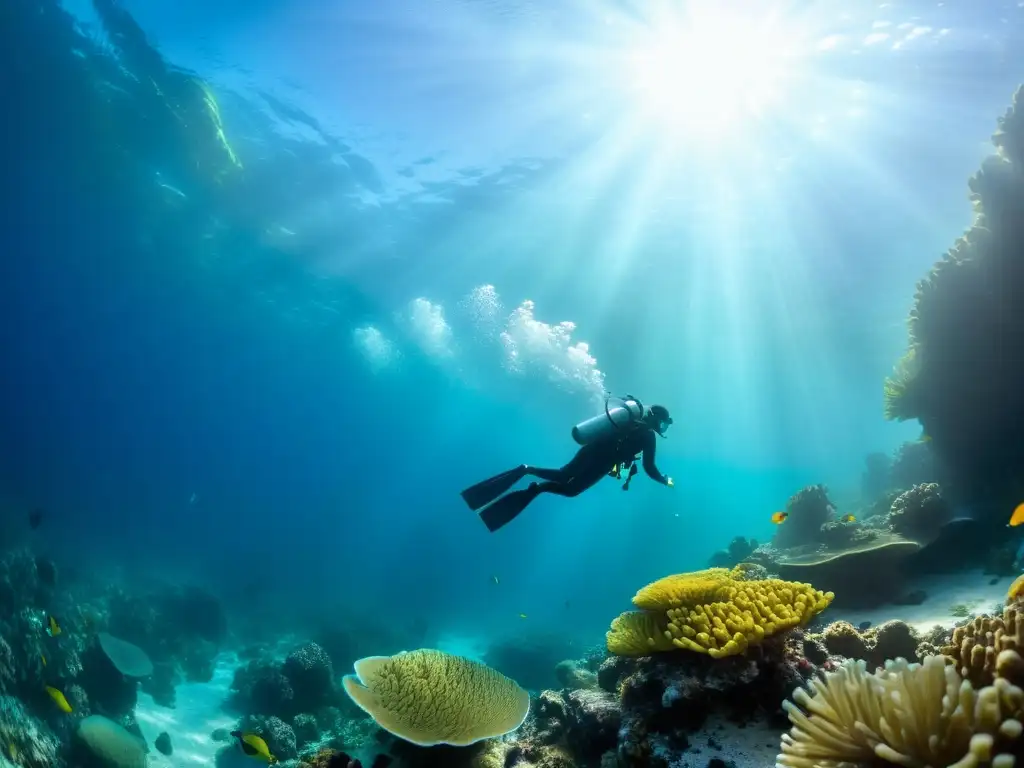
x=590 y=464
x=593 y=462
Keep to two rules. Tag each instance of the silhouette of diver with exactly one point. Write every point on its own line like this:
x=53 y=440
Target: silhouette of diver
x=610 y=442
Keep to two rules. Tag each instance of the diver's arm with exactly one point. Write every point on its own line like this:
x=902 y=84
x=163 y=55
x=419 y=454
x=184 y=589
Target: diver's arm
x=650 y=447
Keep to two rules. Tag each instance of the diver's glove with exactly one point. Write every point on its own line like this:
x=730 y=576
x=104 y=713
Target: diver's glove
x=669 y=482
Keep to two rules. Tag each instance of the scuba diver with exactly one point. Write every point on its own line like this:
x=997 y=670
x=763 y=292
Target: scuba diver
x=611 y=442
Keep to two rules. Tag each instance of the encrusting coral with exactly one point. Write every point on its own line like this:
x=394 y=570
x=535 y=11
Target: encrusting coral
x=713 y=611
x=427 y=697
x=920 y=512
x=906 y=714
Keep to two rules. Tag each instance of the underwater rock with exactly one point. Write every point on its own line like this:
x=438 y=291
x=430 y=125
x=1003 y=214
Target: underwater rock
x=311 y=675
x=592 y=723
x=163 y=744
x=261 y=688
x=876 y=645
x=30 y=739
x=109 y=691
x=570 y=675
x=920 y=513
x=808 y=509
x=278 y=734
x=739 y=549
x=306 y=729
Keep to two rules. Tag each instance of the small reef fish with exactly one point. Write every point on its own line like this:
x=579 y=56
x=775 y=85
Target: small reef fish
x=495 y=578
x=42 y=658
x=848 y=519
x=254 y=746
x=59 y=699
x=341 y=760
x=52 y=627
x=1017 y=517
x=1015 y=588
x=779 y=517
x=522 y=615
x=12 y=750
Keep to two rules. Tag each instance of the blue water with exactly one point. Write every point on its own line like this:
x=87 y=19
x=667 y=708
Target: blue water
x=284 y=376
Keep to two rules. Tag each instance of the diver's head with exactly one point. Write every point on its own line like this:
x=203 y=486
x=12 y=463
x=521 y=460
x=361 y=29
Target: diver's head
x=658 y=419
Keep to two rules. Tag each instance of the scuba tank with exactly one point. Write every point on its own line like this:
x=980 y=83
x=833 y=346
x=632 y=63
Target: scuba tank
x=620 y=414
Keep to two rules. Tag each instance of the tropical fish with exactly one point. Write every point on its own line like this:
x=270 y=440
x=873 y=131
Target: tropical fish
x=779 y=517
x=42 y=658
x=495 y=578
x=1015 y=588
x=52 y=627
x=58 y=697
x=848 y=519
x=522 y=615
x=1017 y=517
x=254 y=746
x=12 y=750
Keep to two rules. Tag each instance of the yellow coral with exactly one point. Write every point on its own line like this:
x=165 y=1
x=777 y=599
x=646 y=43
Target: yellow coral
x=638 y=633
x=906 y=714
x=684 y=589
x=713 y=612
x=428 y=697
x=746 y=613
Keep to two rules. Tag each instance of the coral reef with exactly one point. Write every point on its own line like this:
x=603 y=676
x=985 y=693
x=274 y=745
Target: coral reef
x=25 y=737
x=975 y=646
x=906 y=714
x=428 y=697
x=875 y=645
x=920 y=513
x=808 y=509
x=957 y=378
x=570 y=674
x=712 y=612
x=739 y=549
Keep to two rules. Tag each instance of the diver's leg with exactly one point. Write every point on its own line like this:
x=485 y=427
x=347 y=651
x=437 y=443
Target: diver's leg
x=580 y=464
x=485 y=492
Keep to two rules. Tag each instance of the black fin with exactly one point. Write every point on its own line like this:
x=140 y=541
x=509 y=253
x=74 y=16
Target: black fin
x=507 y=508
x=483 y=493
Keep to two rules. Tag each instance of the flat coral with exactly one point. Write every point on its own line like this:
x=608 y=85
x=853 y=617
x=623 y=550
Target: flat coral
x=428 y=697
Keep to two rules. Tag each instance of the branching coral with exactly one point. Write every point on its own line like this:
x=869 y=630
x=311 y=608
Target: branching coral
x=712 y=612
x=911 y=715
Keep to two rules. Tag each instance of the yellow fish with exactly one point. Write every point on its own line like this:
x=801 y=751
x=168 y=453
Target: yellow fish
x=12 y=750
x=522 y=615
x=52 y=627
x=1016 y=588
x=58 y=697
x=779 y=517
x=848 y=519
x=254 y=746
x=1017 y=517
x=42 y=657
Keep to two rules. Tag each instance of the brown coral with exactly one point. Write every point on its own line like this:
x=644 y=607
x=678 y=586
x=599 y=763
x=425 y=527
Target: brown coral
x=976 y=645
x=890 y=640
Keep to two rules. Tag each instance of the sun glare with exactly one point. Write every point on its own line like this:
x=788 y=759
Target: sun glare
x=706 y=71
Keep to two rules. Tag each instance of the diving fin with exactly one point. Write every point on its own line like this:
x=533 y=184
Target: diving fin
x=507 y=508
x=485 y=492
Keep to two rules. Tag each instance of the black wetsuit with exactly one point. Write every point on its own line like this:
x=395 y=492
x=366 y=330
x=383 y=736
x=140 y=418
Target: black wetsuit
x=593 y=462
x=590 y=464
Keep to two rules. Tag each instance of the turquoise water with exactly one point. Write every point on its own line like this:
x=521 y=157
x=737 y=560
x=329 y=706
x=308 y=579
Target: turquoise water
x=429 y=241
